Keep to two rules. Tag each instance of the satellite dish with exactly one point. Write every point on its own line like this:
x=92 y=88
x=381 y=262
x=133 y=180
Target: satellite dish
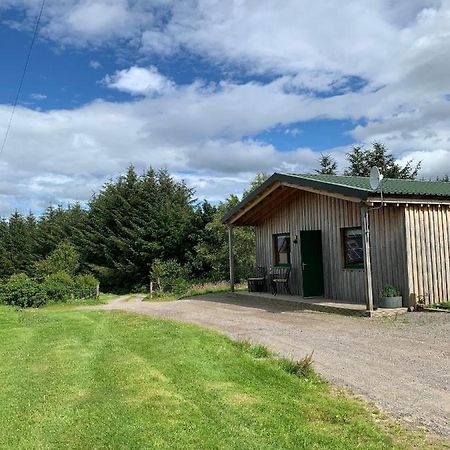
x=375 y=178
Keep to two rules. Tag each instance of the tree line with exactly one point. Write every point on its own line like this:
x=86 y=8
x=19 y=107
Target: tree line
x=133 y=222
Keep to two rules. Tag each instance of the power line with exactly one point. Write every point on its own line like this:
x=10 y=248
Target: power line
x=35 y=34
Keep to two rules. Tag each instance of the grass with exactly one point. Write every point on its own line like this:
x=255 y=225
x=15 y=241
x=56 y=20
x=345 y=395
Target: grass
x=196 y=289
x=443 y=305
x=71 y=304
x=101 y=379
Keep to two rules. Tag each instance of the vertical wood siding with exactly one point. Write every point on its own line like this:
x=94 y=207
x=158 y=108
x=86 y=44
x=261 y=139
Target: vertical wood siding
x=308 y=211
x=410 y=246
x=428 y=251
x=388 y=250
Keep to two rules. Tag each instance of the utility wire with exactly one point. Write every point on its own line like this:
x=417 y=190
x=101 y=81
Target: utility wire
x=35 y=34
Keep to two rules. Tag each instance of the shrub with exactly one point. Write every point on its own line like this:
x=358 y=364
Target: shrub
x=170 y=275
x=22 y=291
x=85 y=286
x=58 y=286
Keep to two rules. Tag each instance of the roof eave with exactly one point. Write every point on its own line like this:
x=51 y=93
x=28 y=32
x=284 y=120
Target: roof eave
x=296 y=181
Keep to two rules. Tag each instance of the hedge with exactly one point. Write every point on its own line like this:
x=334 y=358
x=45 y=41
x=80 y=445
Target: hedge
x=23 y=291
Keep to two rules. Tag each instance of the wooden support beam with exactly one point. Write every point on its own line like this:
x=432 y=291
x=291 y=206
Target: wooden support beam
x=231 y=256
x=367 y=259
x=254 y=202
x=323 y=192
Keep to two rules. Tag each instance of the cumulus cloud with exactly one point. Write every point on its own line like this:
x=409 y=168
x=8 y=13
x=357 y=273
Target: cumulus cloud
x=139 y=81
x=66 y=154
x=382 y=63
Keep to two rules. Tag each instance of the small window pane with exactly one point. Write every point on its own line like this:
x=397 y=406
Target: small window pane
x=353 y=248
x=282 y=247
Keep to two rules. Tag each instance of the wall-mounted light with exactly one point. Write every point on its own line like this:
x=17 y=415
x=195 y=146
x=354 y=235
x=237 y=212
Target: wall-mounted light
x=295 y=241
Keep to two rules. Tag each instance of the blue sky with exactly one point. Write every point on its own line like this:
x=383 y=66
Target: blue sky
x=215 y=92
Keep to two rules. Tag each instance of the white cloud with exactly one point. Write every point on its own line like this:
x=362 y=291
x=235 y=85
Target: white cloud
x=38 y=97
x=398 y=51
x=95 y=64
x=139 y=81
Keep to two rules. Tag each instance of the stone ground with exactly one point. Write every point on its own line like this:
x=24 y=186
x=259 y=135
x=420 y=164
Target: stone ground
x=402 y=364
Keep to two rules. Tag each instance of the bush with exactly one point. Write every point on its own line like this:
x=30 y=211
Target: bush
x=22 y=291
x=85 y=286
x=170 y=275
x=58 y=287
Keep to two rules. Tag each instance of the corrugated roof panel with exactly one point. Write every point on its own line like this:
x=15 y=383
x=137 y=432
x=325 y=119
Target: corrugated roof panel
x=391 y=186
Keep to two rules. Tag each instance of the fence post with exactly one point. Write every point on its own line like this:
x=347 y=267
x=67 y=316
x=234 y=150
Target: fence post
x=97 y=290
x=151 y=289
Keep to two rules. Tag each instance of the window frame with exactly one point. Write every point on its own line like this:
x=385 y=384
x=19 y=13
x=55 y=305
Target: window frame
x=276 y=253
x=347 y=264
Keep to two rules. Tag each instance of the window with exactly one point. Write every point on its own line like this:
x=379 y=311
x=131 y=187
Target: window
x=353 y=248
x=282 y=247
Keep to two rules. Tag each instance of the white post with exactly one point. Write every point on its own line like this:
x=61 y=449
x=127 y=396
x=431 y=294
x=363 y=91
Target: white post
x=151 y=289
x=367 y=258
x=231 y=256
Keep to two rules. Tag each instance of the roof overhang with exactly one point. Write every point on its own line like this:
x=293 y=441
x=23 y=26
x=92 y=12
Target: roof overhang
x=260 y=203
x=281 y=188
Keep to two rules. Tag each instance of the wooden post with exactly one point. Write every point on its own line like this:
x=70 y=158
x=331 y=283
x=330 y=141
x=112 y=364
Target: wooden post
x=151 y=289
x=97 y=290
x=367 y=259
x=231 y=256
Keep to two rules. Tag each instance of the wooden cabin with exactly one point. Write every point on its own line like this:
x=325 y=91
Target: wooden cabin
x=344 y=242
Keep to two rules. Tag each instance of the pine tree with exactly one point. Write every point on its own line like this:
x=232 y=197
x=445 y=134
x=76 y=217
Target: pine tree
x=361 y=160
x=328 y=165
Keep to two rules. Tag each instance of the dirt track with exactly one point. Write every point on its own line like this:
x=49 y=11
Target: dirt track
x=402 y=364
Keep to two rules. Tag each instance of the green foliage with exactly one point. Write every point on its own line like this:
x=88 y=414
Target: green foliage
x=133 y=221
x=328 y=165
x=361 y=160
x=22 y=291
x=65 y=258
x=256 y=350
x=211 y=252
x=390 y=291
x=58 y=286
x=301 y=368
x=84 y=286
x=442 y=305
x=170 y=275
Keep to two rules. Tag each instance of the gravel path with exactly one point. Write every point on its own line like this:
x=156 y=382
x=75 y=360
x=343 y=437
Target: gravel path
x=402 y=364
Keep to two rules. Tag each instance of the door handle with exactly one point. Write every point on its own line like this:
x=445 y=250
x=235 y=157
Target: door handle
x=304 y=265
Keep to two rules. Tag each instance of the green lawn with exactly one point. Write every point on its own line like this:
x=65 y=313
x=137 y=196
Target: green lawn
x=99 y=379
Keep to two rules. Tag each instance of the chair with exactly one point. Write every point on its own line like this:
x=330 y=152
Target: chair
x=280 y=276
x=257 y=281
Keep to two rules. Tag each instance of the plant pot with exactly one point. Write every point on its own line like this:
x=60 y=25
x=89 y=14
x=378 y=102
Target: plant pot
x=390 y=302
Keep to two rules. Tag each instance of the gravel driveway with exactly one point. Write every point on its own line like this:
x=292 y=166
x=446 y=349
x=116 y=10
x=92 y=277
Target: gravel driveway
x=402 y=364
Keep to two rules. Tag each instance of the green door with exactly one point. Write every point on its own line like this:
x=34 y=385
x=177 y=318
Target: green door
x=312 y=264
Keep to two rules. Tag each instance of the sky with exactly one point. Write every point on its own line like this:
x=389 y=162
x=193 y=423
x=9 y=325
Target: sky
x=216 y=91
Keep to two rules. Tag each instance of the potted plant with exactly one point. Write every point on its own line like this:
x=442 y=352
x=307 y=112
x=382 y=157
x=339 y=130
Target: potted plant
x=390 y=297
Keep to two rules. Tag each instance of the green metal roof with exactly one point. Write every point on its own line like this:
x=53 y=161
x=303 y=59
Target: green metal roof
x=391 y=186
x=356 y=187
